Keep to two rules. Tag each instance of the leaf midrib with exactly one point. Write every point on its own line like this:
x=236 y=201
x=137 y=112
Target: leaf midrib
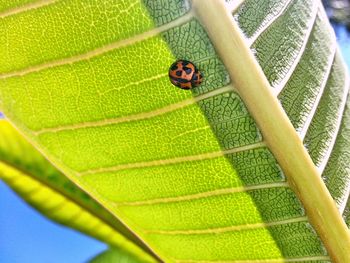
x=277 y=130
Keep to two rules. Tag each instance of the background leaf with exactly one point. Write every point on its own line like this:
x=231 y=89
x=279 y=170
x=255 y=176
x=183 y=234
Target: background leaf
x=116 y=255
x=189 y=173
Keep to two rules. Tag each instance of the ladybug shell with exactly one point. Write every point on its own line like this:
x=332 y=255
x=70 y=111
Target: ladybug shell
x=197 y=78
x=184 y=74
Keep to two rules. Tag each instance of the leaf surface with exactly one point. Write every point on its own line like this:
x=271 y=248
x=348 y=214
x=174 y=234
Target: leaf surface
x=197 y=176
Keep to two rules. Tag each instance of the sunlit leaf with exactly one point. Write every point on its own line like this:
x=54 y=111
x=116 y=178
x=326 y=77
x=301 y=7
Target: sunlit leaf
x=230 y=171
x=27 y=172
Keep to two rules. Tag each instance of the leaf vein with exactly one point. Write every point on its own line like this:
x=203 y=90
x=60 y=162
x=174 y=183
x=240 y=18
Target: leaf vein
x=199 y=157
x=218 y=192
x=101 y=50
x=137 y=116
x=27 y=7
x=229 y=228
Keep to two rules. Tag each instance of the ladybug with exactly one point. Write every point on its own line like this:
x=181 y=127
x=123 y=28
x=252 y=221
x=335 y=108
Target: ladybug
x=185 y=75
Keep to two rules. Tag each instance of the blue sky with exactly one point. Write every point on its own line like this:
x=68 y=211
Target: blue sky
x=28 y=237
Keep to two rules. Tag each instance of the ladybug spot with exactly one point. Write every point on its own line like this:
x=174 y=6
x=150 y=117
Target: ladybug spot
x=178 y=73
x=181 y=80
x=174 y=67
x=187 y=70
x=185 y=63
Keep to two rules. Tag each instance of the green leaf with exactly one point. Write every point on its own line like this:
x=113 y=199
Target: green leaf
x=114 y=255
x=228 y=172
x=28 y=173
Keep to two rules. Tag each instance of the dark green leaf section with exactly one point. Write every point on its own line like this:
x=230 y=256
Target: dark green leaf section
x=233 y=127
x=277 y=53
x=337 y=172
x=164 y=11
x=252 y=16
x=257 y=161
x=324 y=125
x=293 y=237
x=232 y=123
x=309 y=77
x=346 y=214
x=116 y=255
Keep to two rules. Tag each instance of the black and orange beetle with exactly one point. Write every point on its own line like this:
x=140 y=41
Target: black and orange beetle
x=185 y=75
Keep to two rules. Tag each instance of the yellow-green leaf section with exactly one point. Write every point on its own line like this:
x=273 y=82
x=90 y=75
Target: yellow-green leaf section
x=190 y=174
x=114 y=255
x=28 y=173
